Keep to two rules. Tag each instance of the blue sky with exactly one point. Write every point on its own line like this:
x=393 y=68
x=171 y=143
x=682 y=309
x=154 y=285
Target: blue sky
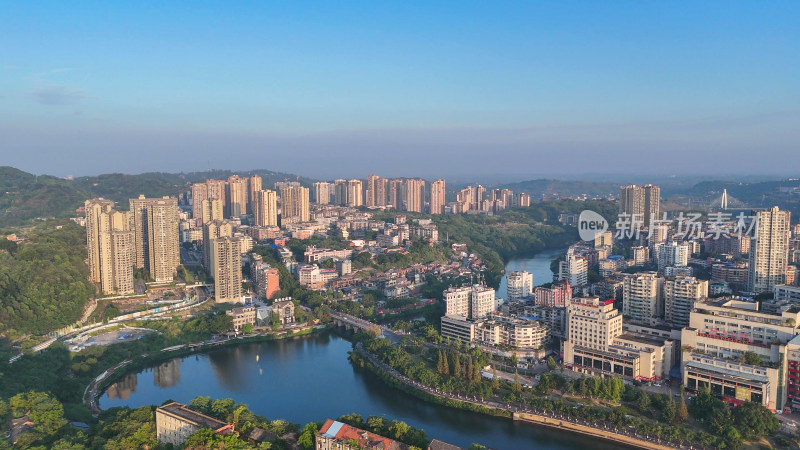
x=332 y=89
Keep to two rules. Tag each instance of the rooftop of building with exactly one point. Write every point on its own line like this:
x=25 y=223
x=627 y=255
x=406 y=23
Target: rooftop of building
x=343 y=432
x=643 y=339
x=180 y=410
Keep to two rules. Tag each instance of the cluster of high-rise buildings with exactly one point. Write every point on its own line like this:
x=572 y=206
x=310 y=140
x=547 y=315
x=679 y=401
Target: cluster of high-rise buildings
x=478 y=199
x=122 y=242
x=409 y=194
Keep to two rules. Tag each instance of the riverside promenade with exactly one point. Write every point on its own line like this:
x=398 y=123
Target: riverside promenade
x=543 y=418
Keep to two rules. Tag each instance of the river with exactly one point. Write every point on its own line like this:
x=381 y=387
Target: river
x=310 y=379
x=538 y=265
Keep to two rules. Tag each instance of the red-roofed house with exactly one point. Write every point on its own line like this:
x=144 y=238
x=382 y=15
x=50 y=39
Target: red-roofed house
x=336 y=435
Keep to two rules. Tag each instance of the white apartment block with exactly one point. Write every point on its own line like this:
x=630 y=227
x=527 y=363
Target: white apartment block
x=520 y=284
x=680 y=294
x=641 y=296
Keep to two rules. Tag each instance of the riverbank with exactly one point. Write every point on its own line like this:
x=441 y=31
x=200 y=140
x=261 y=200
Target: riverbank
x=392 y=377
x=98 y=386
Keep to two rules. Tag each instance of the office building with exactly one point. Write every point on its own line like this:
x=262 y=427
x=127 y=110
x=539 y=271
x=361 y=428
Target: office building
x=322 y=193
x=680 y=295
x=227 y=269
x=175 y=423
x=520 y=284
x=769 y=250
x=265 y=208
x=438 y=196
x=110 y=247
x=294 y=204
x=415 y=194
x=156 y=236
x=642 y=299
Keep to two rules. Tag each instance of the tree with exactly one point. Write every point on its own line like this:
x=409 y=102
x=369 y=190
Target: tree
x=751 y=358
x=753 y=420
x=643 y=402
x=247 y=328
x=495 y=380
x=668 y=412
x=201 y=404
x=306 y=439
x=551 y=363
x=469 y=371
x=276 y=322
x=683 y=412
x=704 y=405
x=516 y=388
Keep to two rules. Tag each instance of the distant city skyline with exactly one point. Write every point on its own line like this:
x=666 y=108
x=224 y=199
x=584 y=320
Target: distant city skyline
x=443 y=90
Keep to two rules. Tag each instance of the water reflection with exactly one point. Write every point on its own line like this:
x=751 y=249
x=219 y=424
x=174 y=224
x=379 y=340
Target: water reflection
x=167 y=374
x=122 y=389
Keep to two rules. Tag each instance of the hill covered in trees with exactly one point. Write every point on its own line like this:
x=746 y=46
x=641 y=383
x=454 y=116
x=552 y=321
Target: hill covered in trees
x=25 y=197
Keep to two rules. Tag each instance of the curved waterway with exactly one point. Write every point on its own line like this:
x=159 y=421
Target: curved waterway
x=310 y=379
x=538 y=265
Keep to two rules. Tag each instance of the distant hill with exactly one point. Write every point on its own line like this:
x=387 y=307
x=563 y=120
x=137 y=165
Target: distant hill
x=25 y=197
x=562 y=188
x=782 y=193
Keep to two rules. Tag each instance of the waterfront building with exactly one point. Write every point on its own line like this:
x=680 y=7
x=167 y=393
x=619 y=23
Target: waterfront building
x=227 y=269
x=242 y=315
x=574 y=269
x=520 y=284
x=175 y=423
x=336 y=435
x=769 y=250
x=284 y=308
x=518 y=333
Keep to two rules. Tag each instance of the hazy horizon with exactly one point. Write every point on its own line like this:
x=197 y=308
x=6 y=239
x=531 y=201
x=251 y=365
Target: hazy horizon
x=440 y=90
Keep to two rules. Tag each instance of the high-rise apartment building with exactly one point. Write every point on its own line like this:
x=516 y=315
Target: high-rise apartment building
x=520 y=285
x=212 y=210
x=237 y=195
x=340 y=192
x=253 y=185
x=355 y=193
x=415 y=194
x=769 y=249
x=376 y=191
x=199 y=195
x=154 y=222
x=438 y=194
x=227 y=269
x=110 y=246
x=680 y=295
x=472 y=302
x=574 y=269
x=522 y=200
x=211 y=231
x=397 y=193
x=322 y=192
x=672 y=254
x=641 y=296
x=265 y=208
x=640 y=202
x=294 y=204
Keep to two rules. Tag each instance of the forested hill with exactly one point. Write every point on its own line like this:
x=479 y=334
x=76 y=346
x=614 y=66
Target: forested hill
x=25 y=197
x=544 y=188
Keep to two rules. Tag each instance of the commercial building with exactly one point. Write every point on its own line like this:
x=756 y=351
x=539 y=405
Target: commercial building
x=110 y=247
x=769 y=250
x=227 y=271
x=175 y=423
x=680 y=295
x=641 y=296
x=596 y=343
x=720 y=336
x=438 y=196
x=520 y=284
x=154 y=222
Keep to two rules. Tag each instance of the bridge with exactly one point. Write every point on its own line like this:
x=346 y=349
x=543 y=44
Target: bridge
x=355 y=324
